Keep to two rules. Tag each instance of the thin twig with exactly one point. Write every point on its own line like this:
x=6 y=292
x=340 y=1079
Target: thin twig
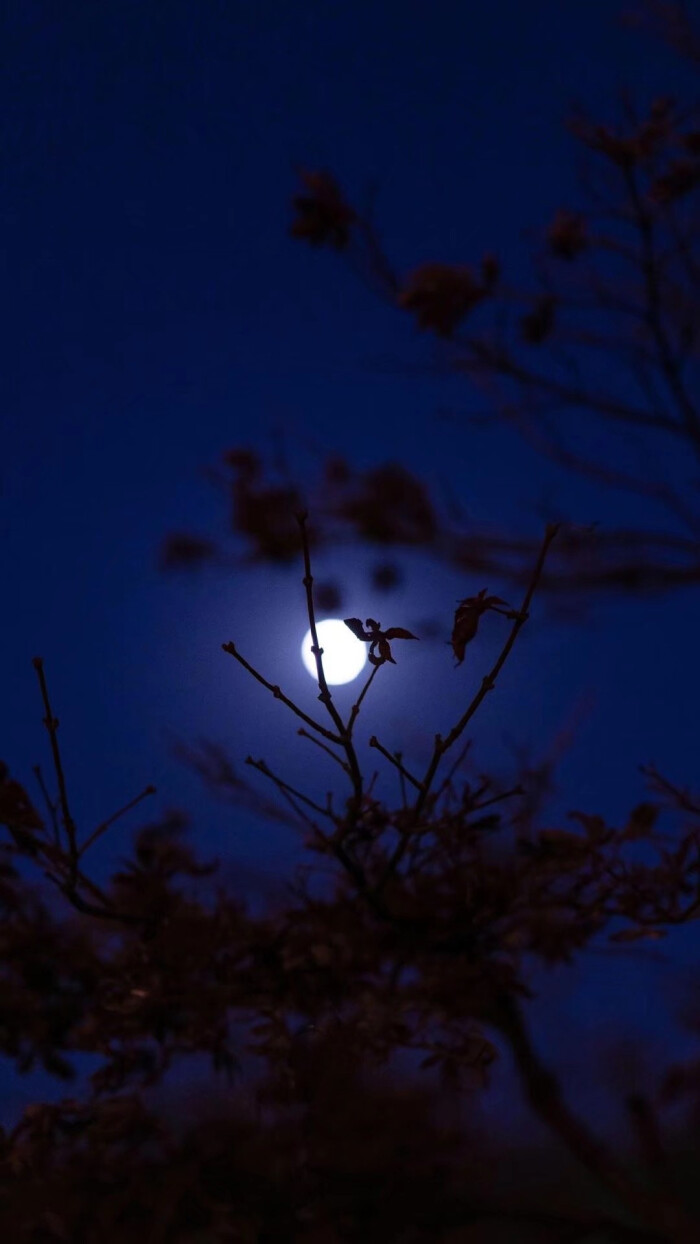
x=82 y=880
x=51 y=724
x=506 y=794
x=325 y=696
x=50 y=805
x=682 y=798
x=60 y=864
x=305 y=735
x=668 y=363
x=453 y=769
x=489 y=681
x=487 y=684
x=96 y=833
x=356 y=706
x=374 y=742
x=89 y=909
x=545 y=443
x=230 y=647
x=285 y=787
x=657 y=1208
x=487 y=359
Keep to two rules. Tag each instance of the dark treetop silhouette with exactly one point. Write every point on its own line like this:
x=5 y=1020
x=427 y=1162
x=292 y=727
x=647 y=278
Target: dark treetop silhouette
x=437 y=907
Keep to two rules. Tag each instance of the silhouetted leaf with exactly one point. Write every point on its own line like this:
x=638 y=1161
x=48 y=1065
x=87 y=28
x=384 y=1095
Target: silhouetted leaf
x=536 y=326
x=641 y=821
x=442 y=295
x=388 y=505
x=357 y=628
x=679 y=179
x=467 y=618
x=379 y=650
x=567 y=235
x=322 y=214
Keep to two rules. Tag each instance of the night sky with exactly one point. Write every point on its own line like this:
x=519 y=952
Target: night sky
x=158 y=313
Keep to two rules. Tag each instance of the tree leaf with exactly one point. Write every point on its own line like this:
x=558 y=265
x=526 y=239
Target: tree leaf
x=356 y=627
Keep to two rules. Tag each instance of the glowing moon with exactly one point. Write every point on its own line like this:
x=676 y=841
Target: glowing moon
x=343 y=655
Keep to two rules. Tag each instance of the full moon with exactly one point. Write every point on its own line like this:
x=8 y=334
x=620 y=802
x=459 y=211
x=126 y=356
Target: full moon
x=343 y=655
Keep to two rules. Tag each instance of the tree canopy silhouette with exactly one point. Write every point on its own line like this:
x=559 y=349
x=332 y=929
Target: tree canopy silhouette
x=424 y=943
x=594 y=364
x=417 y=929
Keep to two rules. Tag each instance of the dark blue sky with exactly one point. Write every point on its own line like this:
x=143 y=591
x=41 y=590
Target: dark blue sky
x=159 y=313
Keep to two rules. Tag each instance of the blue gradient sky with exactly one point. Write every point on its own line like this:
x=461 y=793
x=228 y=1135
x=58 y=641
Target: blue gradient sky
x=159 y=313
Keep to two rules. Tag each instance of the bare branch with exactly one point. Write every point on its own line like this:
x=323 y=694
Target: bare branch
x=230 y=647
x=374 y=742
x=288 y=790
x=488 y=683
x=344 y=735
x=453 y=769
x=657 y=1207
x=356 y=706
x=679 y=796
x=96 y=833
x=51 y=724
x=305 y=735
x=668 y=363
x=51 y=807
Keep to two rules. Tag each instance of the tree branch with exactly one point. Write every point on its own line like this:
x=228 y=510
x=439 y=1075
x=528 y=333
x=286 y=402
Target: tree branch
x=230 y=647
x=657 y=1209
x=51 y=724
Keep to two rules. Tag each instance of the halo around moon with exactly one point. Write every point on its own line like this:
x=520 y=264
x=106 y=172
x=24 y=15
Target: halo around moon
x=344 y=656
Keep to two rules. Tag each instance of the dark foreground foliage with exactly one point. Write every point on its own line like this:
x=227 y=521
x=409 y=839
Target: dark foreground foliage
x=423 y=944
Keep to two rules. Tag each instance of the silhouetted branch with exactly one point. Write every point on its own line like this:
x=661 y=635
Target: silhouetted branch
x=358 y=703
x=657 y=1209
x=374 y=742
x=50 y=805
x=51 y=724
x=489 y=681
x=230 y=647
x=96 y=833
x=290 y=791
x=344 y=733
x=487 y=684
x=305 y=735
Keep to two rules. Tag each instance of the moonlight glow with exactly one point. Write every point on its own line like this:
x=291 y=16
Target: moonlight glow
x=343 y=655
